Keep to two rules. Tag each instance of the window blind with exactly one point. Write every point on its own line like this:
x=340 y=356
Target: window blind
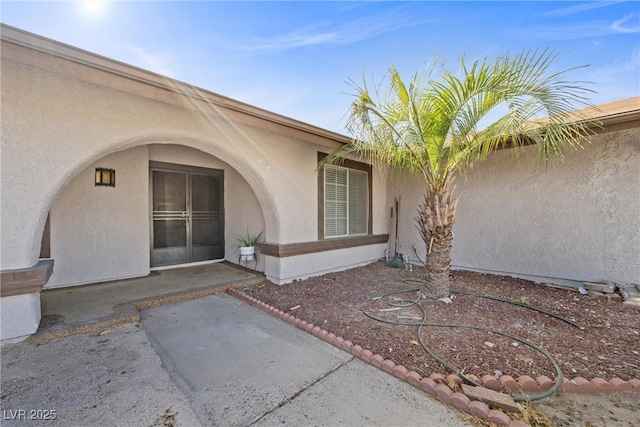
x=345 y=201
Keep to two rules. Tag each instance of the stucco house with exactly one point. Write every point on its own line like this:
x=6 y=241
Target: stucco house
x=110 y=171
x=192 y=170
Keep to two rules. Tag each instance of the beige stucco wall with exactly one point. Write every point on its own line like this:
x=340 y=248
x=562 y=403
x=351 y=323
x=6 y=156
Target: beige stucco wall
x=19 y=316
x=102 y=233
x=577 y=221
x=290 y=269
x=63 y=125
x=60 y=118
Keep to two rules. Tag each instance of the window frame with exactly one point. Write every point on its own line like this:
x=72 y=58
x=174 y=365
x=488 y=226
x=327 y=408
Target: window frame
x=348 y=164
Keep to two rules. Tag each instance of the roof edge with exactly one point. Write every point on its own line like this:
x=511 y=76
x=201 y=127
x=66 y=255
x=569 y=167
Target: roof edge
x=608 y=114
x=612 y=113
x=65 y=51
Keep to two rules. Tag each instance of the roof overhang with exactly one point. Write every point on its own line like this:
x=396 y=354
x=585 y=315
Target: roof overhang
x=255 y=116
x=613 y=116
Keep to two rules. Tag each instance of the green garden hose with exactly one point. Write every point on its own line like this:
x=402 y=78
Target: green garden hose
x=400 y=302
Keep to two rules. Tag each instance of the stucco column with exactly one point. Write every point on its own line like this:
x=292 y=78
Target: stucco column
x=20 y=299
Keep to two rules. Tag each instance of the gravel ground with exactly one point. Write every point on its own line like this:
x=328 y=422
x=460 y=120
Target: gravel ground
x=606 y=347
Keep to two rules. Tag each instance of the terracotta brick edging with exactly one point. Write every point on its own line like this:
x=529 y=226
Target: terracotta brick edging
x=436 y=384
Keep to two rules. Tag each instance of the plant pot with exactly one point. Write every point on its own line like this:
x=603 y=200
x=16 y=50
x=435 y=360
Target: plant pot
x=247 y=253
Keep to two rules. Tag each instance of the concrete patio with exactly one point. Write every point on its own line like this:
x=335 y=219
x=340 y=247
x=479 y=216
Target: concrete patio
x=82 y=309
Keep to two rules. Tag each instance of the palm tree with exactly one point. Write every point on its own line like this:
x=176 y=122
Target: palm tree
x=430 y=127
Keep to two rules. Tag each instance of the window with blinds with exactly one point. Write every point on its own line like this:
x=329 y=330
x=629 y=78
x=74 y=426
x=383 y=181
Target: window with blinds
x=346 y=201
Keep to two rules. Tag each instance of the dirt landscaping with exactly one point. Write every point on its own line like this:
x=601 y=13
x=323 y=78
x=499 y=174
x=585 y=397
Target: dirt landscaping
x=587 y=337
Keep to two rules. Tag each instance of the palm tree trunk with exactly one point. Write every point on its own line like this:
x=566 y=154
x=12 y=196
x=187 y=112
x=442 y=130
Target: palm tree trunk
x=435 y=223
x=436 y=283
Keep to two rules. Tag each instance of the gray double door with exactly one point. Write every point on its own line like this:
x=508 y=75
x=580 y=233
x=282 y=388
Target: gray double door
x=187 y=223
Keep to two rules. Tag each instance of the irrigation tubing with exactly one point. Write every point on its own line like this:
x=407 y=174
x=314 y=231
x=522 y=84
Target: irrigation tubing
x=402 y=302
x=521 y=304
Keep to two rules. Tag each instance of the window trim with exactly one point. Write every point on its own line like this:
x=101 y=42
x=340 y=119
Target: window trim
x=350 y=164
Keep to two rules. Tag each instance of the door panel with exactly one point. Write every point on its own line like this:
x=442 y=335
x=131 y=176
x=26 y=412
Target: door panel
x=170 y=225
x=168 y=233
x=206 y=224
x=187 y=223
x=169 y=243
x=169 y=191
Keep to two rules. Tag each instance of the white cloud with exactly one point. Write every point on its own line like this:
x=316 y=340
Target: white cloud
x=581 y=30
x=619 y=26
x=330 y=33
x=578 y=8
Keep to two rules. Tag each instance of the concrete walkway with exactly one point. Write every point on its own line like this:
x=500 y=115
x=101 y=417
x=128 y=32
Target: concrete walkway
x=240 y=366
x=82 y=309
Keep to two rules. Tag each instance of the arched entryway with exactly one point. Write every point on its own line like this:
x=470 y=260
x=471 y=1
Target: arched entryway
x=171 y=205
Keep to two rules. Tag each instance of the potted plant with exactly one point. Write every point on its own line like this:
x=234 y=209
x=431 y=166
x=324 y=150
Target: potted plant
x=247 y=245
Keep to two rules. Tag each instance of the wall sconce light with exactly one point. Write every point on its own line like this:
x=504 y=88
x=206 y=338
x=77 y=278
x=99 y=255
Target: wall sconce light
x=105 y=177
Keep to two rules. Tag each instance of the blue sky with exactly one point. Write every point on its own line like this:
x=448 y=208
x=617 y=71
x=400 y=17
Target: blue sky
x=294 y=58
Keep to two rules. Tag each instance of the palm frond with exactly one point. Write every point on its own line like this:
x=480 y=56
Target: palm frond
x=430 y=125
